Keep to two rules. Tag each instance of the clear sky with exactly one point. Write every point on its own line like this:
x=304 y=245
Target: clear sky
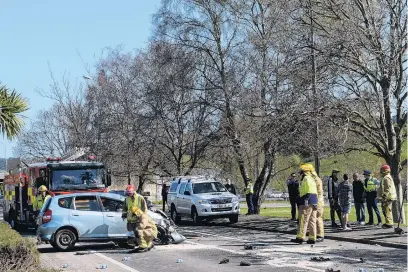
x=38 y=34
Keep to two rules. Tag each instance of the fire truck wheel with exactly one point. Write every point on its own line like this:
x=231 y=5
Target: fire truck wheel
x=65 y=240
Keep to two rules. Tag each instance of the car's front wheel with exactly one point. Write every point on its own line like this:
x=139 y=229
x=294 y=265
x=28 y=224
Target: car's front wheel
x=196 y=219
x=233 y=219
x=65 y=240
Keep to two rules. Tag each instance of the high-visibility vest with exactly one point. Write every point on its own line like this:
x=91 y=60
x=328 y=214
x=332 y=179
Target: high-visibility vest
x=250 y=188
x=307 y=186
x=137 y=202
x=371 y=186
x=39 y=202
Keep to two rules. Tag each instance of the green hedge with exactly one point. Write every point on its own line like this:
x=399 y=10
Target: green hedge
x=17 y=253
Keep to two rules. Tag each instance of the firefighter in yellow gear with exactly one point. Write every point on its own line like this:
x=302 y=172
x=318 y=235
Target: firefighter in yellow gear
x=388 y=194
x=39 y=201
x=307 y=205
x=320 y=208
x=134 y=210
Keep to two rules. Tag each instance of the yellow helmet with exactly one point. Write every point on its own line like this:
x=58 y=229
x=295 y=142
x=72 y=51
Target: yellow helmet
x=137 y=211
x=42 y=188
x=307 y=167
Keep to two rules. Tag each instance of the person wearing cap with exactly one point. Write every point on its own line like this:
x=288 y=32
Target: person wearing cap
x=293 y=190
x=388 y=194
x=307 y=206
x=133 y=207
x=370 y=187
x=320 y=208
x=333 y=196
x=249 y=193
x=359 y=196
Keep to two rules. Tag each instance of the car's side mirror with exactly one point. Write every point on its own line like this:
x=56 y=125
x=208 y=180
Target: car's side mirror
x=108 y=177
x=187 y=193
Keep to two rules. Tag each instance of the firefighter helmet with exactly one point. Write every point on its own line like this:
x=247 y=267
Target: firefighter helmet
x=385 y=168
x=42 y=188
x=307 y=167
x=130 y=190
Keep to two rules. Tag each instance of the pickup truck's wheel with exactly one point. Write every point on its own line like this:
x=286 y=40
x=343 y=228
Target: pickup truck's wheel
x=65 y=239
x=233 y=219
x=196 y=219
x=174 y=216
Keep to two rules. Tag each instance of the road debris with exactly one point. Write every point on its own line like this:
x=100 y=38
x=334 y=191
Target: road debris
x=332 y=270
x=126 y=258
x=244 y=263
x=319 y=259
x=86 y=252
x=102 y=266
x=224 y=261
x=362 y=260
x=64 y=266
x=255 y=246
x=180 y=261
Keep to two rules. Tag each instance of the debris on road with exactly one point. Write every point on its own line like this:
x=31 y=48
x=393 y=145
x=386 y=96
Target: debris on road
x=224 y=261
x=86 y=252
x=180 y=261
x=255 y=246
x=64 y=266
x=319 y=259
x=126 y=259
x=332 y=270
x=362 y=260
x=102 y=266
x=244 y=263
x=248 y=247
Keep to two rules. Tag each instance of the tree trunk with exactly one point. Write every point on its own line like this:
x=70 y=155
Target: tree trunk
x=394 y=163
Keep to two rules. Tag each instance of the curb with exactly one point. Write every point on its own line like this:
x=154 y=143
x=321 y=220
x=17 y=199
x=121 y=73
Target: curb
x=330 y=237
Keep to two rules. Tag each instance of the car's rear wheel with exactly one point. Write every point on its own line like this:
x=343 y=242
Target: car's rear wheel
x=233 y=219
x=174 y=216
x=196 y=219
x=65 y=239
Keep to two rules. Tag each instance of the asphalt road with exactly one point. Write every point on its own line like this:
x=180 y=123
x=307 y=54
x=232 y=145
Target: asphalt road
x=207 y=245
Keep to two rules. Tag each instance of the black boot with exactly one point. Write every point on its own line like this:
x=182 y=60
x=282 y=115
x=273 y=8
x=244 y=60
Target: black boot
x=297 y=241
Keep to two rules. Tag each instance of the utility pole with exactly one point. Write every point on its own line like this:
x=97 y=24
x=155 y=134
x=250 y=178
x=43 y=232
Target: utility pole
x=316 y=143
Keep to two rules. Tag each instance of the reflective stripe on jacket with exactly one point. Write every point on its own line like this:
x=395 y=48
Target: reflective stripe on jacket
x=387 y=188
x=250 y=188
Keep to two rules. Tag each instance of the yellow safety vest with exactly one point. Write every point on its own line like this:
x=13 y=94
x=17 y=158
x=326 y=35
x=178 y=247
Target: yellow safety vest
x=39 y=202
x=371 y=186
x=138 y=202
x=250 y=188
x=388 y=189
x=307 y=186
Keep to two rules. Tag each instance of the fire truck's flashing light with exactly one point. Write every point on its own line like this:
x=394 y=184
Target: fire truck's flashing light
x=91 y=158
x=53 y=159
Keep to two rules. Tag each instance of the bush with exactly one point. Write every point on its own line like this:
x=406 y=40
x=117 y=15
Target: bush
x=17 y=253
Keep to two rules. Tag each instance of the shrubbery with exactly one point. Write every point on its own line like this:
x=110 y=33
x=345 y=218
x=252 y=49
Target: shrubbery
x=17 y=253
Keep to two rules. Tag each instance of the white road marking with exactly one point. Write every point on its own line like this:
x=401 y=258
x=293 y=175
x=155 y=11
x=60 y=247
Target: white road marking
x=116 y=262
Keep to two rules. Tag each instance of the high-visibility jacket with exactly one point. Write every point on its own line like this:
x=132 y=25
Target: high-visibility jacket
x=308 y=190
x=138 y=202
x=387 y=188
x=250 y=188
x=39 y=201
x=319 y=187
x=371 y=185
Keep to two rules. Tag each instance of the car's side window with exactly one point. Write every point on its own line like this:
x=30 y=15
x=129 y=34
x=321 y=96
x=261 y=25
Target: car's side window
x=87 y=203
x=111 y=205
x=65 y=203
x=182 y=187
x=189 y=188
x=173 y=187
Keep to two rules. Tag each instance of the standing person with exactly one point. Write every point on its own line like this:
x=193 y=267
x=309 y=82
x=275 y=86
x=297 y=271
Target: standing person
x=334 y=198
x=388 y=195
x=249 y=193
x=345 y=195
x=132 y=209
x=370 y=187
x=293 y=190
x=359 y=196
x=164 y=193
x=320 y=208
x=307 y=206
x=39 y=201
x=230 y=187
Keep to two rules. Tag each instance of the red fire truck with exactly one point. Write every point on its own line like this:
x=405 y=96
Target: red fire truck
x=60 y=177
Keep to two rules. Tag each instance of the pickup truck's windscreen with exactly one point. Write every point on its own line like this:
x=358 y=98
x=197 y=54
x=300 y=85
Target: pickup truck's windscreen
x=208 y=187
